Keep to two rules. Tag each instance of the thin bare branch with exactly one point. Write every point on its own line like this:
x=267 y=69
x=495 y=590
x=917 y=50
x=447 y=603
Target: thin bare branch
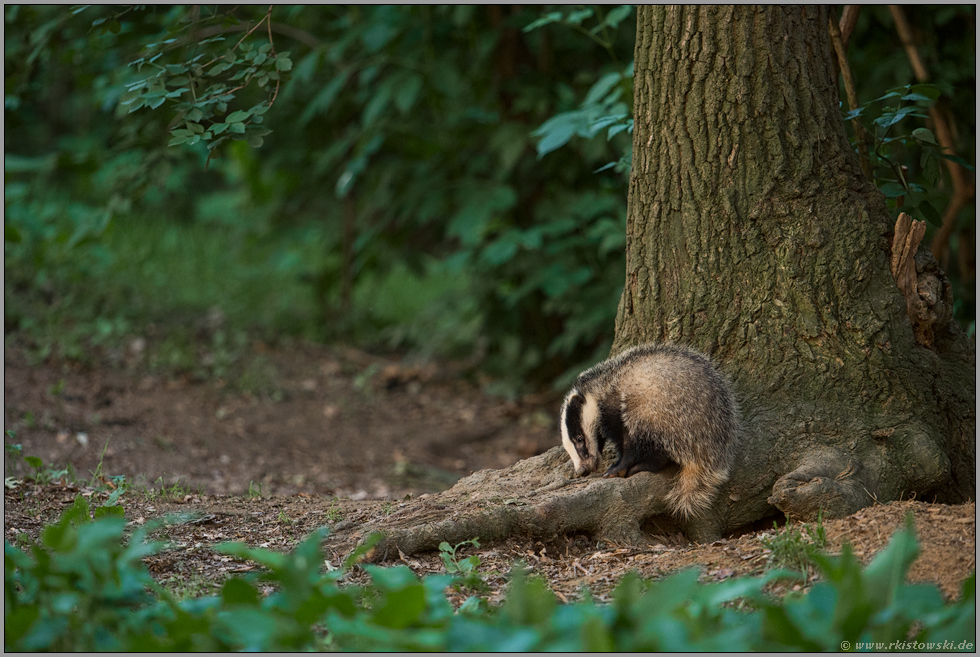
x=905 y=34
x=290 y=31
x=272 y=47
x=859 y=133
x=848 y=20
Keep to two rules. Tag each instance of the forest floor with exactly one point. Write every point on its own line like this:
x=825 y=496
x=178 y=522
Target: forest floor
x=338 y=438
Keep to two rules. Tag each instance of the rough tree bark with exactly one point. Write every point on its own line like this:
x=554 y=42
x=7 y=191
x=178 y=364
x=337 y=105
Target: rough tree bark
x=754 y=237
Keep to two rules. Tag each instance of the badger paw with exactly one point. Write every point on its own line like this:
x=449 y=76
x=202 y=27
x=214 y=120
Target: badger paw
x=615 y=471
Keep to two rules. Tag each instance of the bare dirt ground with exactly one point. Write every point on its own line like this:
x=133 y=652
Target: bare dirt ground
x=341 y=438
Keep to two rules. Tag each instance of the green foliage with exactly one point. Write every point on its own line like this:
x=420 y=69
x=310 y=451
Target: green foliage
x=39 y=474
x=11 y=454
x=450 y=223
x=871 y=605
x=84 y=588
x=465 y=568
x=945 y=41
x=204 y=84
x=44 y=475
x=892 y=146
x=607 y=106
x=81 y=586
x=447 y=553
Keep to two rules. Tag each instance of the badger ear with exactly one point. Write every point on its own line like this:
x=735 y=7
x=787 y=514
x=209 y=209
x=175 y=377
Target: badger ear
x=574 y=404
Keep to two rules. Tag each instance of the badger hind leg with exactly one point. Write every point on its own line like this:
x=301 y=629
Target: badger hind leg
x=695 y=489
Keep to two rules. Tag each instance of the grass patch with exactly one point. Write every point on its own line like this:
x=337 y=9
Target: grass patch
x=796 y=547
x=193 y=297
x=174 y=272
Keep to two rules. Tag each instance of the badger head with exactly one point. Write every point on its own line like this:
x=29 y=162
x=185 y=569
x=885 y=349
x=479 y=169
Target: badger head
x=580 y=432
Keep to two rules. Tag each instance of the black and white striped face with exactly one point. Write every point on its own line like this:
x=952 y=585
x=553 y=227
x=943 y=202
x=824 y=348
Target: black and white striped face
x=580 y=431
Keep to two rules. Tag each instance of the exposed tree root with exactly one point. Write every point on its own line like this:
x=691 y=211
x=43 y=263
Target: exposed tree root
x=827 y=484
x=535 y=498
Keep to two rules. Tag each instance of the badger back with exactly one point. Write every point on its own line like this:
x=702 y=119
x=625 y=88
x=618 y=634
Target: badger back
x=682 y=398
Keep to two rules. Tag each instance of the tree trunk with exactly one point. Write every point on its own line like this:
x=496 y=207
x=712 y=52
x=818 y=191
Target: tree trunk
x=754 y=237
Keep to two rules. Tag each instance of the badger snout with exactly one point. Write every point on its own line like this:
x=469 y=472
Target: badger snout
x=582 y=471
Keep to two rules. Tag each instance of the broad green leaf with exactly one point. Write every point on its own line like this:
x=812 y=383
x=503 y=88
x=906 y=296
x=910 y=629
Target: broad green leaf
x=251 y=628
x=929 y=91
x=618 y=15
x=530 y=601
x=547 y=19
x=890 y=566
x=616 y=129
x=237 y=116
x=239 y=592
x=401 y=608
x=576 y=17
x=888 y=119
x=922 y=100
x=602 y=86
x=959 y=160
x=893 y=189
x=499 y=252
x=558 y=130
x=391 y=579
x=925 y=135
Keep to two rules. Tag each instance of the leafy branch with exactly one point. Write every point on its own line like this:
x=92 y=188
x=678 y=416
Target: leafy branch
x=891 y=148
x=574 y=20
x=203 y=116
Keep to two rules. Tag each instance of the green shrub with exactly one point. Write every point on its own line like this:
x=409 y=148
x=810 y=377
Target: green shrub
x=84 y=588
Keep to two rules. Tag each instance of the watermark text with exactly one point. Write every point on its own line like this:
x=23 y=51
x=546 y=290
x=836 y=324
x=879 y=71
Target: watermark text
x=908 y=645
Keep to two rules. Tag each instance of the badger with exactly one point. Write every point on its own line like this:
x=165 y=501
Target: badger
x=657 y=404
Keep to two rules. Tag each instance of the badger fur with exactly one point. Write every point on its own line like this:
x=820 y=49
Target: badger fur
x=657 y=404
